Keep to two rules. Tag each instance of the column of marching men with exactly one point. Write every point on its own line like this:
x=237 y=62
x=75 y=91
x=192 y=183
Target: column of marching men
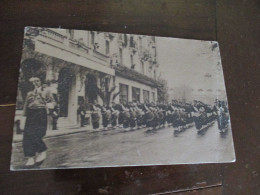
x=177 y=114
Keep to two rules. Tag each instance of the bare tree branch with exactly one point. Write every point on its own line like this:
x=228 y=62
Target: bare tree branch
x=116 y=94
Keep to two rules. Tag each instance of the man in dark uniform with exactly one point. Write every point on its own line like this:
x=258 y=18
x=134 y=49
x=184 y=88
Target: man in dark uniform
x=114 y=115
x=106 y=116
x=132 y=119
x=55 y=116
x=95 y=117
x=82 y=113
x=126 y=117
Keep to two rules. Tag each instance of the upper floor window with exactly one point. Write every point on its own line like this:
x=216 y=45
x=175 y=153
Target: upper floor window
x=132 y=42
x=121 y=56
x=132 y=62
x=154 y=51
x=71 y=34
x=92 y=38
x=140 y=44
x=107 y=47
x=142 y=67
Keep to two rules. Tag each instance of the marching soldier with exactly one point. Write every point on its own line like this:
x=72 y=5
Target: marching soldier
x=95 y=117
x=126 y=117
x=132 y=120
x=106 y=116
x=82 y=113
x=114 y=115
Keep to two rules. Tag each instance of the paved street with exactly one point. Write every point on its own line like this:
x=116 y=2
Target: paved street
x=138 y=147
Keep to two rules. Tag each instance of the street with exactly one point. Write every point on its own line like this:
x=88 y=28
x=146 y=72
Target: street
x=137 y=147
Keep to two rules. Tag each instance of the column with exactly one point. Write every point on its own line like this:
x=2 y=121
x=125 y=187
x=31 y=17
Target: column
x=129 y=93
x=141 y=96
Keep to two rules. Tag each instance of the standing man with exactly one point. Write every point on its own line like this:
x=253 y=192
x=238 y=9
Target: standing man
x=95 y=117
x=82 y=113
x=35 y=110
x=55 y=117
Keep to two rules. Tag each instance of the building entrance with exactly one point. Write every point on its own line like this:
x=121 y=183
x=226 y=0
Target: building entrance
x=65 y=87
x=91 y=89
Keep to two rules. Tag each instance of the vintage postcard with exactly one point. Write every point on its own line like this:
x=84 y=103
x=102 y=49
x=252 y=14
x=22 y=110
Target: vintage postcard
x=104 y=99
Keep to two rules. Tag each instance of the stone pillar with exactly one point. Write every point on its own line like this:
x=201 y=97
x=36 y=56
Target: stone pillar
x=141 y=96
x=99 y=100
x=156 y=95
x=49 y=73
x=129 y=93
x=73 y=102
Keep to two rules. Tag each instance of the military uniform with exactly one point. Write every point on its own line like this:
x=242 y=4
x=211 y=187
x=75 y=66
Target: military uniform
x=95 y=116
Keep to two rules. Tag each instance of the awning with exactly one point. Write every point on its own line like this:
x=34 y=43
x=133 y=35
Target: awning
x=133 y=75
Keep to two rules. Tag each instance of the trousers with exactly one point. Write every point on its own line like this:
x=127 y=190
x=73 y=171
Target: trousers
x=34 y=131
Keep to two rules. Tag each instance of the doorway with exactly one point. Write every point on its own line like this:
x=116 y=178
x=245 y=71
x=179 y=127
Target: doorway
x=66 y=82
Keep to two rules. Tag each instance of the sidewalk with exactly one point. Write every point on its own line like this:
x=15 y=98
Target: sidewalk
x=54 y=133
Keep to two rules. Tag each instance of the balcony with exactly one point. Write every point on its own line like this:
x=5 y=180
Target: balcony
x=45 y=32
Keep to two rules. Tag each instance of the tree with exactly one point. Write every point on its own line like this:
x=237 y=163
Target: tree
x=106 y=89
x=163 y=95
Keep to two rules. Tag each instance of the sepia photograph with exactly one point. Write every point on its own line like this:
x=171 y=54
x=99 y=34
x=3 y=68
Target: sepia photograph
x=103 y=99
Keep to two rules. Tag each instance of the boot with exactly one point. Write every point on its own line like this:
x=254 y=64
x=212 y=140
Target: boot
x=41 y=157
x=30 y=162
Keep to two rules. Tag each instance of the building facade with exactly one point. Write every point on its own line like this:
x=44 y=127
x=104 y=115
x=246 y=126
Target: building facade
x=87 y=66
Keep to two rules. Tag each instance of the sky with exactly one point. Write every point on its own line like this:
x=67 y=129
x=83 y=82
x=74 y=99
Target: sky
x=190 y=63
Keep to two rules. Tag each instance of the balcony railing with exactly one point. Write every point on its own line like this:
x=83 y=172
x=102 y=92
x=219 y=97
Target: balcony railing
x=52 y=35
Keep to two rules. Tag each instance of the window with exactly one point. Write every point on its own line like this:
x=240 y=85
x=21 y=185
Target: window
x=142 y=67
x=153 y=96
x=107 y=47
x=132 y=62
x=92 y=38
x=123 y=96
x=121 y=56
x=125 y=40
x=154 y=51
x=71 y=34
x=140 y=44
x=132 y=42
x=146 y=96
x=135 y=94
